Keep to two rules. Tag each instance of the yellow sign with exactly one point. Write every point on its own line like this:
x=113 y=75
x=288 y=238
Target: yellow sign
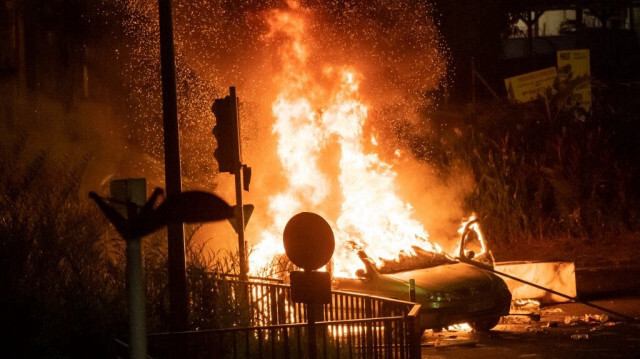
x=531 y=86
x=574 y=72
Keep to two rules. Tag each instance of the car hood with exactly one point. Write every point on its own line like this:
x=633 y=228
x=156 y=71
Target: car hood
x=448 y=277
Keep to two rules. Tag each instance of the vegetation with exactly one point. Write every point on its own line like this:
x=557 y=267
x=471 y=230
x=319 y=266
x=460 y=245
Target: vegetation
x=56 y=282
x=62 y=270
x=548 y=174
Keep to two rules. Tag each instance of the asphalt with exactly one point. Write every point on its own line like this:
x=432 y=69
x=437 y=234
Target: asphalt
x=563 y=331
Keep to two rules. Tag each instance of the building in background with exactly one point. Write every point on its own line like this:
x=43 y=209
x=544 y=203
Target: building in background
x=538 y=29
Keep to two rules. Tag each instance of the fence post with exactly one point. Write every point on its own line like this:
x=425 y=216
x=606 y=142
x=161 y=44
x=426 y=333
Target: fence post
x=282 y=318
x=414 y=333
x=274 y=306
x=412 y=289
x=388 y=343
x=311 y=330
x=246 y=316
x=368 y=312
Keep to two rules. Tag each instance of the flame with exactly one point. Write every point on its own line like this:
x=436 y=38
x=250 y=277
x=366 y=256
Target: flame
x=476 y=228
x=319 y=120
x=462 y=327
x=523 y=302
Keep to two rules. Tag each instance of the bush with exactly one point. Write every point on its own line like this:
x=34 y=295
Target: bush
x=59 y=287
x=62 y=269
x=548 y=175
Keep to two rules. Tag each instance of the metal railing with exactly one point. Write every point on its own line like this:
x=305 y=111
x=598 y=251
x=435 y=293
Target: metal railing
x=270 y=303
x=269 y=325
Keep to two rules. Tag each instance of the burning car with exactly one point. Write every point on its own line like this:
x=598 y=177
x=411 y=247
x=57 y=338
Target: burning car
x=450 y=292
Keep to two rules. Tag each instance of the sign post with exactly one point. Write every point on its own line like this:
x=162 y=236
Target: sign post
x=309 y=244
x=132 y=194
x=134 y=217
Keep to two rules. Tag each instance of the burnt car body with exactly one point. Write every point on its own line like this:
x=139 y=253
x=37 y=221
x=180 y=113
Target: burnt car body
x=450 y=292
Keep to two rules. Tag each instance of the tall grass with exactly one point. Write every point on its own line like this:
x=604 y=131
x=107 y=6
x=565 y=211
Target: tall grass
x=56 y=284
x=548 y=177
x=62 y=268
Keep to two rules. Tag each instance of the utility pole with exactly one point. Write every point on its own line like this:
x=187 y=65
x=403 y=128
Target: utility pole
x=175 y=232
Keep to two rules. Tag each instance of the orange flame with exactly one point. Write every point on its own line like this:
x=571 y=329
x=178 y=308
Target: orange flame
x=476 y=228
x=319 y=122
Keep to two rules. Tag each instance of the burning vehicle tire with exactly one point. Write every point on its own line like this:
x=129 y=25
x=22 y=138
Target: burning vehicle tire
x=450 y=292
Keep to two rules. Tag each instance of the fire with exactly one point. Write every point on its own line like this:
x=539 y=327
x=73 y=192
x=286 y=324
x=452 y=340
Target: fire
x=474 y=226
x=319 y=120
x=464 y=327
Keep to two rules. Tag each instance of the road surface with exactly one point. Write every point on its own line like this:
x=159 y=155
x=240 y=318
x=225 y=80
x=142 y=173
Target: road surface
x=564 y=331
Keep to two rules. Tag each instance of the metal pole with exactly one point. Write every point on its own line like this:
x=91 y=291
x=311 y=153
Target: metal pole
x=242 y=245
x=175 y=232
x=311 y=328
x=412 y=290
x=413 y=327
x=486 y=84
x=132 y=193
x=135 y=294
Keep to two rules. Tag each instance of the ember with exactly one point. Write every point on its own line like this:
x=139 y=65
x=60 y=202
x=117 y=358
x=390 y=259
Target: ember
x=320 y=117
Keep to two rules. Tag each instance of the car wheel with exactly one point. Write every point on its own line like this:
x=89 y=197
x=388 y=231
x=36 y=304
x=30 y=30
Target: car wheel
x=485 y=324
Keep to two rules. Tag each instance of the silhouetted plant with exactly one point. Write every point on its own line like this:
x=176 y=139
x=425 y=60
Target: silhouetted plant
x=62 y=267
x=547 y=177
x=56 y=284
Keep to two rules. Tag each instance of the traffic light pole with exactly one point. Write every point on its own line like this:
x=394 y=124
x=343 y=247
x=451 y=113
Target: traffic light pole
x=175 y=232
x=228 y=154
x=242 y=244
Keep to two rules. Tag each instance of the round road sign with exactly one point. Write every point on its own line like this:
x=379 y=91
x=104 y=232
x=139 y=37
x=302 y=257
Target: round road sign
x=308 y=240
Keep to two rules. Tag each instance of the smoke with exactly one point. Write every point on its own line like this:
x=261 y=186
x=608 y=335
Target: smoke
x=394 y=45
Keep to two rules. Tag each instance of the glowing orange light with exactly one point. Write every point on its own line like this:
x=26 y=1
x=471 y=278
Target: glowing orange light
x=315 y=114
x=476 y=228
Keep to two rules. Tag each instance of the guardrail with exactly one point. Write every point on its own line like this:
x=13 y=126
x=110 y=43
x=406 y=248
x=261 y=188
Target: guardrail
x=270 y=303
x=387 y=337
x=269 y=325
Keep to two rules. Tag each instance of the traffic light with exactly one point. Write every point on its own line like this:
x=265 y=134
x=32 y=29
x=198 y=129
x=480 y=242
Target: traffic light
x=226 y=132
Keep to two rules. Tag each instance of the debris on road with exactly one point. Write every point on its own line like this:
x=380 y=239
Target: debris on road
x=525 y=306
x=580 y=336
x=535 y=329
x=519 y=319
x=571 y=320
x=445 y=343
x=586 y=319
x=599 y=318
x=550 y=311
